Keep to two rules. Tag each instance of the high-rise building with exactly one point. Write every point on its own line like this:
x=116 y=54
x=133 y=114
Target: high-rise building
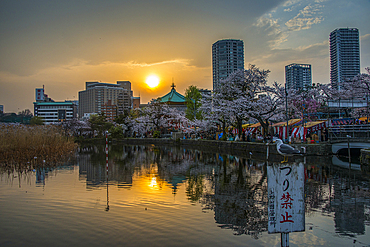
x=97 y=94
x=298 y=76
x=344 y=55
x=227 y=56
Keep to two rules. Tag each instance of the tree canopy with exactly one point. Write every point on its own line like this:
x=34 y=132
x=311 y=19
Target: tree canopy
x=193 y=102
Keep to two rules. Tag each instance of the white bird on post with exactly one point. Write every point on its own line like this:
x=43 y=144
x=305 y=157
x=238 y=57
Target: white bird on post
x=285 y=149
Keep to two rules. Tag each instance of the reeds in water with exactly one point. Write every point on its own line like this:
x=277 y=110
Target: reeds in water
x=30 y=146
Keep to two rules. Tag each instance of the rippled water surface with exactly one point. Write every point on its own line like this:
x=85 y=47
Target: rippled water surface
x=167 y=196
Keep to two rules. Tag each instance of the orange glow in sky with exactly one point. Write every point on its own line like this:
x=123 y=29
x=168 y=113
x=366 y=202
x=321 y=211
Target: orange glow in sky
x=152 y=81
x=63 y=44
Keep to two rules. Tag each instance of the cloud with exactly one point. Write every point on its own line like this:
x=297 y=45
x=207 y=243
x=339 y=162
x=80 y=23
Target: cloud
x=299 y=54
x=292 y=4
x=272 y=28
x=313 y=54
x=185 y=63
x=323 y=44
x=308 y=16
x=366 y=36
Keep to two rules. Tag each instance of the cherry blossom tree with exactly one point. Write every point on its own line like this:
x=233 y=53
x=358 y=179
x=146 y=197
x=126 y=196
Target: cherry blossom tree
x=152 y=117
x=159 y=117
x=215 y=109
x=260 y=101
x=360 y=85
x=266 y=102
x=355 y=88
x=306 y=101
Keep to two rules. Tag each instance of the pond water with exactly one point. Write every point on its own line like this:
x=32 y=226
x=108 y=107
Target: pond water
x=170 y=196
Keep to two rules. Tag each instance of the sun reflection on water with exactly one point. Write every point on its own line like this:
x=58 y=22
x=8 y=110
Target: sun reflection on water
x=153 y=182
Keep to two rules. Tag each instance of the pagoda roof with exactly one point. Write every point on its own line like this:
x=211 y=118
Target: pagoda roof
x=173 y=97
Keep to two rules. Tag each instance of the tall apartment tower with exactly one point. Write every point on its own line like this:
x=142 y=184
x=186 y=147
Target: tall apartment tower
x=298 y=76
x=227 y=56
x=344 y=55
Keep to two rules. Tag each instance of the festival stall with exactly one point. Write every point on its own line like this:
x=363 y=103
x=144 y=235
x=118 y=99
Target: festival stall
x=302 y=132
x=280 y=128
x=246 y=126
x=254 y=128
x=235 y=131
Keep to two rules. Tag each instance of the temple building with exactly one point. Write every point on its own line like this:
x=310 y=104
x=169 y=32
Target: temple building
x=174 y=99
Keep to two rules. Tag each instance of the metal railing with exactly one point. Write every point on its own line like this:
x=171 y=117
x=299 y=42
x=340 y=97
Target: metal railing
x=356 y=132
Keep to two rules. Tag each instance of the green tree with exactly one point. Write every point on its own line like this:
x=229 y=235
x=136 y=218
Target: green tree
x=36 y=120
x=116 y=131
x=99 y=123
x=122 y=118
x=193 y=98
x=25 y=113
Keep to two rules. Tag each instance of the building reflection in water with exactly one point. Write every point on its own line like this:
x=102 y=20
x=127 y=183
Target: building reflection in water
x=343 y=193
x=234 y=188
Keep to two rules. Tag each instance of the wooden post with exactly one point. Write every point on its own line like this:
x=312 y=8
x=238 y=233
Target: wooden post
x=284 y=239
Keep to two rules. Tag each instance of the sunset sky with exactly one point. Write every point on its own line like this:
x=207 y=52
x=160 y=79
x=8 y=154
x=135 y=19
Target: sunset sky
x=63 y=44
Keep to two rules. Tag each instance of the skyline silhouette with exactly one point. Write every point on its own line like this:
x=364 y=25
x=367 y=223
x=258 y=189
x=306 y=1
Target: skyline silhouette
x=63 y=44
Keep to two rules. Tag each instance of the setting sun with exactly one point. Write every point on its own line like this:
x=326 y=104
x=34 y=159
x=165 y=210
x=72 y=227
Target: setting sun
x=152 y=81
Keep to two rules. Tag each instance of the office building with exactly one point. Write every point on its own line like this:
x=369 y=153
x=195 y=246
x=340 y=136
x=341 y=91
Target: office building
x=97 y=94
x=54 y=112
x=298 y=76
x=344 y=55
x=51 y=111
x=227 y=56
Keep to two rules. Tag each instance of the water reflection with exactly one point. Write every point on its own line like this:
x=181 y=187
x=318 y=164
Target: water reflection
x=42 y=173
x=234 y=188
x=341 y=193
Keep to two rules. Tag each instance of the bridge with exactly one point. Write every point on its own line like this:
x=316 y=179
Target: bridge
x=355 y=136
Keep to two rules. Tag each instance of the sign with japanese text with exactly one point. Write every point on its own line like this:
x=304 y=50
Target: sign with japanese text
x=286 y=208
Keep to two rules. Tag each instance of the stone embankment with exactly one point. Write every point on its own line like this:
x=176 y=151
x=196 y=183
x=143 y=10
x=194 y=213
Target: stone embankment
x=264 y=151
x=365 y=156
